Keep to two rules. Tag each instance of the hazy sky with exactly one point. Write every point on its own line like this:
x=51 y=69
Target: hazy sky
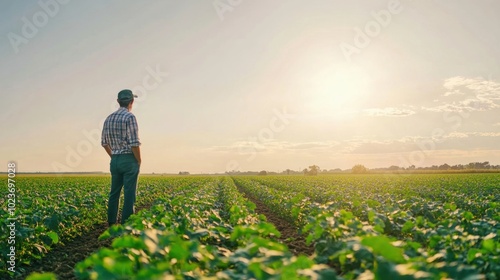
x=252 y=85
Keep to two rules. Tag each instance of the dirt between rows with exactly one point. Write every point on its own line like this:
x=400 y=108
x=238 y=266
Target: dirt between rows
x=289 y=232
x=62 y=259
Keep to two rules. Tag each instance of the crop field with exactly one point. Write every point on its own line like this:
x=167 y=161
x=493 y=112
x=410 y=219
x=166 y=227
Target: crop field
x=420 y=226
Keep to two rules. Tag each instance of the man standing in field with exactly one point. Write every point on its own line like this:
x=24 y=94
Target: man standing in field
x=120 y=139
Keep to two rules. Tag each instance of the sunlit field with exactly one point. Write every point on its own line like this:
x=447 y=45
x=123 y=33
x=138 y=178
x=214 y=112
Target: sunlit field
x=426 y=226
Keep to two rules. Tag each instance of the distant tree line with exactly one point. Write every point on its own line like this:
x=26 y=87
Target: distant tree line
x=360 y=169
x=471 y=166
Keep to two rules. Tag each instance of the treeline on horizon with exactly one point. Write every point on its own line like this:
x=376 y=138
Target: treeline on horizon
x=359 y=168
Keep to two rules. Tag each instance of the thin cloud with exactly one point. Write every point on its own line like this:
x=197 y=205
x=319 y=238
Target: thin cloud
x=459 y=81
x=478 y=95
x=455 y=140
x=311 y=145
x=273 y=146
x=468 y=105
x=388 y=112
x=453 y=92
x=486 y=134
x=455 y=135
x=462 y=135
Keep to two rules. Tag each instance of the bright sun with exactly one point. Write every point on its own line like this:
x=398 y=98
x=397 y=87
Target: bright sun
x=337 y=90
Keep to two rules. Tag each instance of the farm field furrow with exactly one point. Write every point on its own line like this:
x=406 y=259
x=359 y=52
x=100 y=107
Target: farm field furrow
x=62 y=258
x=289 y=231
x=200 y=230
x=53 y=211
x=391 y=228
x=356 y=227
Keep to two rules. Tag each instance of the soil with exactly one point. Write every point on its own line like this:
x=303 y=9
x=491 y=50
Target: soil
x=289 y=232
x=62 y=259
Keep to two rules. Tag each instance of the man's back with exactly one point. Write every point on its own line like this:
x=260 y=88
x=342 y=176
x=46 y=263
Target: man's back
x=120 y=132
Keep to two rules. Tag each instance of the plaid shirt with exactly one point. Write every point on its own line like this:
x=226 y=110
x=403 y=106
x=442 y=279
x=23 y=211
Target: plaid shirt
x=120 y=132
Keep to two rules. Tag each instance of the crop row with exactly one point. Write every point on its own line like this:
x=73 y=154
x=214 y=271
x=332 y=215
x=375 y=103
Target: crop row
x=55 y=210
x=47 y=210
x=391 y=230
x=206 y=229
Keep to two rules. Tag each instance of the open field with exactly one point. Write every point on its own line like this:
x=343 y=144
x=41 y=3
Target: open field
x=425 y=226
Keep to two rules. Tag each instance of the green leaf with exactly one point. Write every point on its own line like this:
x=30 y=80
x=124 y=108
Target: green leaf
x=256 y=269
x=372 y=203
x=303 y=262
x=327 y=274
x=371 y=216
x=379 y=228
x=52 y=222
x=450 y=206
x=266 y=229
x=116 y=230
x=381 y=245
x=251 y=206
x=489 y=245
x=41 y=276
x=387 y=270
x=54 y=237
x=434 y=241
x=239 y=232
x=128 y=242
x=178 y=251
x=472 y=254
x=123 y=266
x=408 y=226
x=414 y=245
x=420 y=221
x=295 y=212
x=104 y=235
x=346 y=215
x=468 y=216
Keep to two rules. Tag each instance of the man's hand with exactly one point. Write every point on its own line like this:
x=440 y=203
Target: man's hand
x=108 y=150
x=137 y=154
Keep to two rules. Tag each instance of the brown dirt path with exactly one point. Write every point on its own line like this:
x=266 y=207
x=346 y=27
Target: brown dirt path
x=289 y=232
x=62 y=259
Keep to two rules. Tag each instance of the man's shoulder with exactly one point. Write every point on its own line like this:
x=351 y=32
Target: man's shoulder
x=118 y=114
x=121 y=112
x=128 y=114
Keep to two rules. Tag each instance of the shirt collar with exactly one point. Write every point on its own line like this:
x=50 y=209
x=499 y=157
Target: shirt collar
x=123 y=109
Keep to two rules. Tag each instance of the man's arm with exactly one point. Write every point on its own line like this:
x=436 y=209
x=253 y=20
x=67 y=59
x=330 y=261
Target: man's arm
x=137 y=153
x=133 y=138
x=108 y=149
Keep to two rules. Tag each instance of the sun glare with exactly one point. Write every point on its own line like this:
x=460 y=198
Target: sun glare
x=337 y=90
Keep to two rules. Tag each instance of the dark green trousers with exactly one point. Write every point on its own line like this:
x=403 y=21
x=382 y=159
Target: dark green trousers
x=124 y=174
